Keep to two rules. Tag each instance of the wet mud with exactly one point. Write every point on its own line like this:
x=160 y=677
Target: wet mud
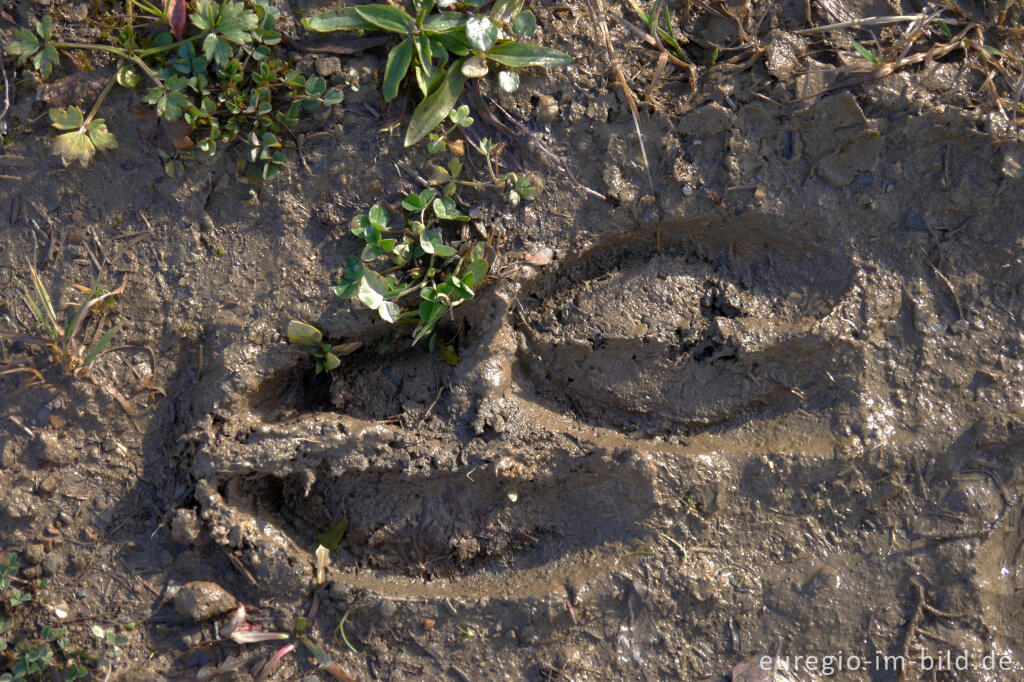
x=774 y=402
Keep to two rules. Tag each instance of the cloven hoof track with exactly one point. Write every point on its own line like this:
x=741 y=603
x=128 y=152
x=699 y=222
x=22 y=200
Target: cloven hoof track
x=650 y=330
x=639 y=329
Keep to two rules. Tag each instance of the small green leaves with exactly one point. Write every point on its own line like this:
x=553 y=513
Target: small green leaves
x=27 y=44
x=66 y=119
x=45 y=60
x=431 y=242
x=866 y=53
x=522 y=55
x=310 y=338
x=421 y=261
x=82 y=141
x=418 y=202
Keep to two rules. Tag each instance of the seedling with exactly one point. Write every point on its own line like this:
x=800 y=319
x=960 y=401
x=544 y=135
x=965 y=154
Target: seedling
x=516 y=187
x=440 y=51
x=61 y=337
x=31 y=656
x=310 y=338
x=219 y=84
x=420 y=259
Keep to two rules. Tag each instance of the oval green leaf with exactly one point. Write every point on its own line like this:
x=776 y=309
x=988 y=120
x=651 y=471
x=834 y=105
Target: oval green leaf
x=398 y=64
x=434 y=108
x=304 y=334
x=343 y=20
x=385 y=17
x=522 y=55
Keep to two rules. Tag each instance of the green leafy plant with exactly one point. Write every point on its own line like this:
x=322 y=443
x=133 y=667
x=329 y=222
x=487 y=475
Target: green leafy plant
x=34 y=655
x=221 y=83
x=61 y=336
x=440 y=51
x=517 y=187
x=421 y=261
x=310 y=338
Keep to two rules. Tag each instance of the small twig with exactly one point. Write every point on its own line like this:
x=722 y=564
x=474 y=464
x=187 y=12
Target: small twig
x=870 y=21
x=7 y=93
x=915 y=618
x=952 y=292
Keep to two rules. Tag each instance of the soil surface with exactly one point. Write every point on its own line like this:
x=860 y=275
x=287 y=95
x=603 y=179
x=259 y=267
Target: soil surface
x=772 y=403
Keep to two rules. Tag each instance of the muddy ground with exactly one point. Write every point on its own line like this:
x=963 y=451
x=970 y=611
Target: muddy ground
x=772 y=403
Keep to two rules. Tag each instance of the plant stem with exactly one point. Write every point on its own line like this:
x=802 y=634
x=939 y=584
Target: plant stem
x=99 y=100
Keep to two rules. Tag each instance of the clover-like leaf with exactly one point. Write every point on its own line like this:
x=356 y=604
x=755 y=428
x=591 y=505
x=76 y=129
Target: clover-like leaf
x=481 y=33
x=378 y=217
x=524 y=25
x=432 y=242
x=444 y=207
x=372 y=290
x=45 y=60
x=102 y=139
x=71 y=118
x=23 y=44
x=522 y=55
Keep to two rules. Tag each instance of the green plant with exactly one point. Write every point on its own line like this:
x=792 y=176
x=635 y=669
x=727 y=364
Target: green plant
x=516 y=186
x=441 y=51
x=310 y=338
x=219 y=84
x=32 y=656
x=421 y=261
x=61 y=337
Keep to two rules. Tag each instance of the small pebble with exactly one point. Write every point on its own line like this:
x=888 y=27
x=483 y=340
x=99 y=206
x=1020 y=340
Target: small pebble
x=386 y=608
x=328 y=66
x=34 y=554
x=546 y=109
x=201 y=600
x=687 y=191
x=890 y=187
x=864 y=179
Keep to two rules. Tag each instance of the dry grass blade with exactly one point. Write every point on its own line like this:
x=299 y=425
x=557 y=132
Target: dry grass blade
x=599 y=18
x=868 y=22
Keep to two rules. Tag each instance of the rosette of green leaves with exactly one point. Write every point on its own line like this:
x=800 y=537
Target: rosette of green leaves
x=440 y=51
x=418 y=261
